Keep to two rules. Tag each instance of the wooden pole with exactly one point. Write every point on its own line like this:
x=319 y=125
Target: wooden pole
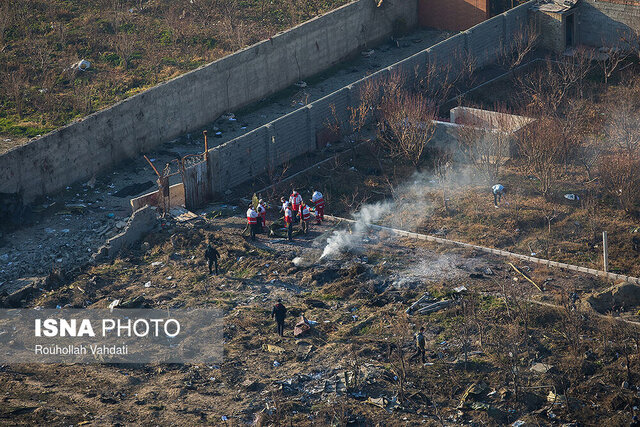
x=206 y=144
x=605 y=251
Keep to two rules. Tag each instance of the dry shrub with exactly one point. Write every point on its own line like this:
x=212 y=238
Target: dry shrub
x=620 y=177
x=541 y=147
x=408 y=126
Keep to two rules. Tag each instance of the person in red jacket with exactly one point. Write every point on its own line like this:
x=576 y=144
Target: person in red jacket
x=252 y=221
x=262 y=213
x=288 y=220
x=318 y=202
x=295 y=199
x=305 y=216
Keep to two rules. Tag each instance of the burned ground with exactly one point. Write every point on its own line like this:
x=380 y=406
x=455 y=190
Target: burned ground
x=348 y=366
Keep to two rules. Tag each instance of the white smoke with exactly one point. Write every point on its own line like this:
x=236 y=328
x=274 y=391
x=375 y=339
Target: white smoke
x=411 y=204
x=301 y=262
x=344 y=240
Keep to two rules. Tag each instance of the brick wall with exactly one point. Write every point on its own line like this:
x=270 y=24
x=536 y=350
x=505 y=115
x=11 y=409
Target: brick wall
x=454 y=15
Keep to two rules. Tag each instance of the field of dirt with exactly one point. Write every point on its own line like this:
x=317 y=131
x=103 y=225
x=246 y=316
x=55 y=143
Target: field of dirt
x=346 y=370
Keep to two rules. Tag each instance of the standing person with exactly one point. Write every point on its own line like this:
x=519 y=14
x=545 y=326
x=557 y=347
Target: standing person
x=252 y=221
x=288 y=220
x=420 y=345
x=295 y=199
x=305 y=216
x=498 y=192
x=211 y=255
x=279 y=312
x=318 y=202
x=262 y=213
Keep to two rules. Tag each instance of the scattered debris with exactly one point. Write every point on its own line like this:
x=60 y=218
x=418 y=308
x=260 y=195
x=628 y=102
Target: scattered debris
x=436 y=306
x=525 y=276
x=114 y=304
x=273 y=349
x=301 y=84
x=556 y=399
x=304 y=350
x=385 y=403
x=181 y=214
x=541 y=368
x=82 y=65
x=474 y=391
x=302 y=327
x=367 y=53
x=426 y=297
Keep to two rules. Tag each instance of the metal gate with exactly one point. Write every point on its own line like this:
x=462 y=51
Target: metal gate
x=196 y=181
x=195 y=177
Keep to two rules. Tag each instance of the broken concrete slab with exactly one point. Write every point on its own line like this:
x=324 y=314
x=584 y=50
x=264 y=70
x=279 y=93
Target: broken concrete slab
x=431 y=308
x=541 y=368
x=141 y=222
x=385 y=403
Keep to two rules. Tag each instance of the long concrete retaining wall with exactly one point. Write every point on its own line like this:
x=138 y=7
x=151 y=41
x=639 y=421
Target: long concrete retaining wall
x=135 y=125
x=499 y=252
x=277 y=142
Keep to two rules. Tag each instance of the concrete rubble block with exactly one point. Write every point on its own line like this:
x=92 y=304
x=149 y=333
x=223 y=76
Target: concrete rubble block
x=139 y=224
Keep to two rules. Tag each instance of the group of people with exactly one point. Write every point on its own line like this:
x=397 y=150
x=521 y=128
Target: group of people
x=294 y=210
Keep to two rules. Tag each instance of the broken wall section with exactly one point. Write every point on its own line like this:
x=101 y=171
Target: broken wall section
x=141 y=222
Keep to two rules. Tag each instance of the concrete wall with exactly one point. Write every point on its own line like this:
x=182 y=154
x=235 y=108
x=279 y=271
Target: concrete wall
x=278 y=142
x=488 y=119
x=80 y=150
x=603 y=22
x=453 y=15
x=551 y=27
x=176 y=198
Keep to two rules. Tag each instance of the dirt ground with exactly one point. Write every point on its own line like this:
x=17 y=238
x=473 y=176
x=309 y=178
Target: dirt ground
x=356 y=303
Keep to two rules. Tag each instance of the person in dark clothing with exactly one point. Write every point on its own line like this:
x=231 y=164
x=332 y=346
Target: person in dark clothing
x=420 y=346
x=279 y=312
x=211 y=255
